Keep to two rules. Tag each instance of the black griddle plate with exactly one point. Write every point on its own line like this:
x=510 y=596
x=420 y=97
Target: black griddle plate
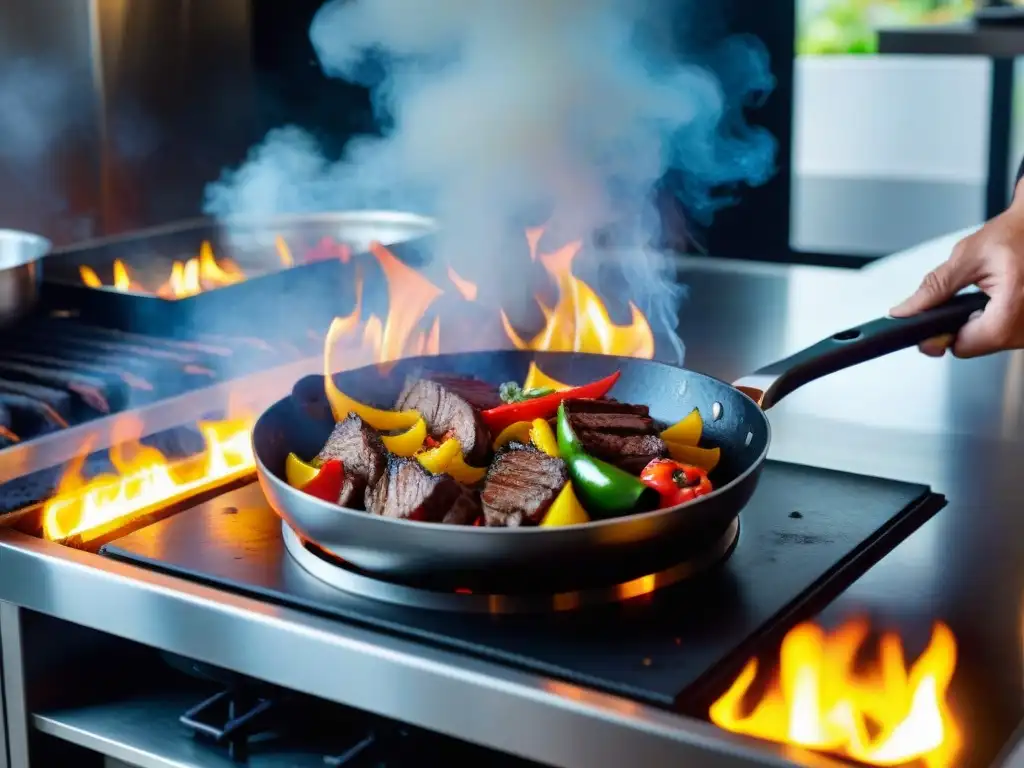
x=806 y=535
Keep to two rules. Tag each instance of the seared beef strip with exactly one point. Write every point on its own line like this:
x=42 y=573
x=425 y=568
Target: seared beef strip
x=602 y=405
x=359 y=448
x=520 y=486
x=629 y=452
x=407 y=491
x=620 y=433
x=452 y=405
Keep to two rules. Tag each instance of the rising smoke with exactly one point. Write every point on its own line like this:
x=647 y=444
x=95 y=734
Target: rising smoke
x=38 y=107
x=497 y=114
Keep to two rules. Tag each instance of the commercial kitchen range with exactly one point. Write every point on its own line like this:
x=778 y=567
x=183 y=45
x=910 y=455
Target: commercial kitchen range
x=193 y=632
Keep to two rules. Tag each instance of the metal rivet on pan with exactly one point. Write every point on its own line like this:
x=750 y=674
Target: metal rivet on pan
x=750 y=436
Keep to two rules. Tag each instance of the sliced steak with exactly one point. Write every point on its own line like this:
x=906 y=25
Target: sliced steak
x=609 y=416
x=359 y=448
x=452 y=405
x=591 y=405
x=520 y=486
x=629 y=452
x=407 y=491
x=620 y=433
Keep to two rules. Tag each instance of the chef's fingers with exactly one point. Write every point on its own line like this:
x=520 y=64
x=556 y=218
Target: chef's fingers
x=937 y=346
x=988 y=331
x=942 y=283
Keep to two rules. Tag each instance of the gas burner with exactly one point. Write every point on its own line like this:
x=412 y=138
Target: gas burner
x=337 y=574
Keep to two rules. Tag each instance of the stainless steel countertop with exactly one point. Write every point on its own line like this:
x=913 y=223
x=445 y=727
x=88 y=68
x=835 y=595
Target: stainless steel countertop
x=953 y=424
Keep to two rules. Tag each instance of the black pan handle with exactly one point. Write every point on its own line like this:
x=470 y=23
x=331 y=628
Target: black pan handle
x=853 y=346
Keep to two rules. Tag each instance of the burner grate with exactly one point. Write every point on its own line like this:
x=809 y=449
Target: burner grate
x=246 y=716
x=231 y=717
x=57 y=372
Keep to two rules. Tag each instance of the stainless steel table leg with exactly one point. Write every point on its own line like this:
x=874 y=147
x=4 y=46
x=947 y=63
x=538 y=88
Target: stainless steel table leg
x=15 y=706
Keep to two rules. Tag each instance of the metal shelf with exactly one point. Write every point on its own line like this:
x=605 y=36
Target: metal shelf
x=144 y=731
x=964 y=39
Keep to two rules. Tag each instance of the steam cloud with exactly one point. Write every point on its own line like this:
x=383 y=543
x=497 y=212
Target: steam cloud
x=38 y=107
x=32 y=98
x=506 y=113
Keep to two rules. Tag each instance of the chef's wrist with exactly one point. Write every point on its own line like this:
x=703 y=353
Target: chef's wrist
x=1017 y=201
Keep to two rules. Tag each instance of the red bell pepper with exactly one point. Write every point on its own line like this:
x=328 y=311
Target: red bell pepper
x=544 y=407
x=675 y=482
x=328 y=481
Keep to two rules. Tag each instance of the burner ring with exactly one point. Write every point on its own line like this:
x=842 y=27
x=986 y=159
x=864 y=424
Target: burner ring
x=339 y=577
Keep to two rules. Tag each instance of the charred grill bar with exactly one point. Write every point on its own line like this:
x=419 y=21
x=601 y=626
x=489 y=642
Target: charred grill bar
x=213 y=636
x=57 y=372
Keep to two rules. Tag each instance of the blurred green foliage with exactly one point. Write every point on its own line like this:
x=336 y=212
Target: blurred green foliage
x=830 y=27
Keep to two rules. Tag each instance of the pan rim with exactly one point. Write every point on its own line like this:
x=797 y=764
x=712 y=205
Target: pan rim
x=655 y=514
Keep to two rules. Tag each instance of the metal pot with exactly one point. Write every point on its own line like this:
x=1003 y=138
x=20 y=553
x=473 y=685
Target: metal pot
x=21 y=273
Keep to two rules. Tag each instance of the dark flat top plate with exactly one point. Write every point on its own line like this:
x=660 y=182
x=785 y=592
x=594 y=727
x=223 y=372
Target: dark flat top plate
x=806 y=534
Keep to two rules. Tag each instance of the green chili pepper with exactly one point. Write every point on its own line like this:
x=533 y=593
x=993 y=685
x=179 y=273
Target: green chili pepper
x=604 y=489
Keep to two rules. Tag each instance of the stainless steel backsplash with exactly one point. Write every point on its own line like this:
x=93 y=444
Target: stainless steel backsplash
x=114 y=114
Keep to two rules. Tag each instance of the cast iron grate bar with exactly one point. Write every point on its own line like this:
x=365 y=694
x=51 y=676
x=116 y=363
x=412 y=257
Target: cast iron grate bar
x=231 y=718
x=242 y=714
x=57 y=372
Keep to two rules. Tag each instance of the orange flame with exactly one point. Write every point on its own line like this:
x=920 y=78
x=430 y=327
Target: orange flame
x=410 y=295
x=886 y=716
x=145 y=480
x=462 y=285
x=195 y=275
x=579 y=321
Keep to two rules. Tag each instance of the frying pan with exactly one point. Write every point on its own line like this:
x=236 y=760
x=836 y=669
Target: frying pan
x=501 y=560
x=21 y=272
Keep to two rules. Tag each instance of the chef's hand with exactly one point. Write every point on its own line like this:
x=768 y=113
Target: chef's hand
x=992 y=259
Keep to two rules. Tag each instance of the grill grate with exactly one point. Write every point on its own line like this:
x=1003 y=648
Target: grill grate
x=56 y=372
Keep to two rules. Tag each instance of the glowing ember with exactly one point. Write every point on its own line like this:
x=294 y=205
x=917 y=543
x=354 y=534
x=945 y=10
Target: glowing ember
x=884 y=716
x=200 y=273
x=145 y=480
x=579 y=321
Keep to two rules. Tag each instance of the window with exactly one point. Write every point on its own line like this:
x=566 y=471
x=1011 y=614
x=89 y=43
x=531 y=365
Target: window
x=846 y=26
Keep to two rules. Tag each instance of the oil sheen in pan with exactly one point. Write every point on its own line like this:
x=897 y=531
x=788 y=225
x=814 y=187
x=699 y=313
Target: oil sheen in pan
x=334 y=573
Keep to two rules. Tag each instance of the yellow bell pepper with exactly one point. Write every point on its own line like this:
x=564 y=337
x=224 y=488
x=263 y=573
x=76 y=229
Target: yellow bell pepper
x=436 y=459
x=705 y=458
x=342 y=405
x=519 y=430
x=537 y=379
x=447 y=459
x=464 y=473
x=297 y=472
x=408 y=442
x=686 y=431
x=543 y=437
x=565 y=510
